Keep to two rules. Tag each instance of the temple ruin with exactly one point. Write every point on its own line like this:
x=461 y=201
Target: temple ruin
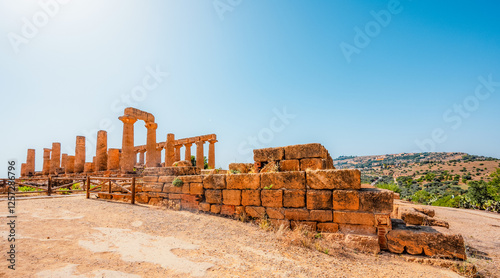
x=290 y=186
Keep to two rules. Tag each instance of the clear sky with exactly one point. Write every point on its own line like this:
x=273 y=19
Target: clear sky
x=359 y=77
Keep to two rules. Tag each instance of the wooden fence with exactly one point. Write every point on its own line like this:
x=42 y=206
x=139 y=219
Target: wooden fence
x=53 y=185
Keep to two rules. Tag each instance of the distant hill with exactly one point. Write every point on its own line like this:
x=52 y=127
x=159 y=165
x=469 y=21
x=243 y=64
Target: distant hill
x=456 y=166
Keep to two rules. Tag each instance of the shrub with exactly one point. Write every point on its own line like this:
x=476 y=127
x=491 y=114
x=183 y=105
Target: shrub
x=390 y=186
x=177 y=182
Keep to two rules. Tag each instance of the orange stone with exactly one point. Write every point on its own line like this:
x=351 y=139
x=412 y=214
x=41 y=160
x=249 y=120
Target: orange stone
x=272 y=198
x=275 y=213
x=313 y=150
x=204 y=206
x=345 y=199
x=214 y=181
x=283 y=180
x=231 y=197
x=250 y=197
x=312 y=164
x=321 y=215
x=255 y=212
x=358 y=229
x=354 y=217
x=243 y=181
x=319 y=199
x=294 y=198
x=296 y=214
x=215 y=209
x=328 y=227
x=196 y=188
x=268 y=154
x=334 y=179
x=290 y=165
x=228 y=210
x=213 y=196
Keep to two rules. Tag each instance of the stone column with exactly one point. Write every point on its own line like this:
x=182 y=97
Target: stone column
x=79 y=154
x=211 y=154
x=178 y=152
x=187 y=152
x=127 y=160
x=158 y=156
x=170 y=150
x=23 y=170
x=101 y=151
x=30 y=162
x=46 y=161
x=55 y=158
x=64 y=159
x=135 y=157
x=70 y=164
x=88 y=167
x=94 y=163
x=200 y=161
x=141 y=157
x=151 y=160
x=113 y=159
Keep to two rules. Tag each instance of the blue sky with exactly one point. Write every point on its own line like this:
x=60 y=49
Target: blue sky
x=235 y=67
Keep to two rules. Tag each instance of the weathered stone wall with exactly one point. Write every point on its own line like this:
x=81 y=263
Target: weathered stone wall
x=325 y=200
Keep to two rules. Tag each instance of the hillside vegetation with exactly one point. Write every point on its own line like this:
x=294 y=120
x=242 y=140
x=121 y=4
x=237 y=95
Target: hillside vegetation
x=440 y=179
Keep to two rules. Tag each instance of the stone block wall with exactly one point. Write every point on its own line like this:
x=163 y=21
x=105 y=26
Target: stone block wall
x=326 y=200
x=293 y=158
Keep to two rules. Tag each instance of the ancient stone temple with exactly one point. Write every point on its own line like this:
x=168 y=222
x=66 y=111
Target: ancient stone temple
x=291 y=186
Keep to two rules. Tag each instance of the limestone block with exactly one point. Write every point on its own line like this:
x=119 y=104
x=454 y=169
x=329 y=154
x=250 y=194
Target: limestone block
x=214 y=182
x=250 y=197
x=313 y=150
x=272 y=198
x=296 y=214
x=231 y=197
x=243 y=181
x=312 y=164
x=345 y=199
x=376 y=200
x=290 y=165
x=275 y=213
x=255 y=212
x=283 y=180
x=321 y=215
x=294 y=198
x=334 y=179
x=213 y=196
x=354 y=217
x=319 y=199
x=268 y=154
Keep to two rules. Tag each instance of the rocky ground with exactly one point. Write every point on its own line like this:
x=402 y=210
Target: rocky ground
x=75 y=237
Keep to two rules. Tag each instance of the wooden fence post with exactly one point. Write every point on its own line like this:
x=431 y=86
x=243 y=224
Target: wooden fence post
x=133 y=190
x=49 y=186
x=109 y=189
x=88 y=187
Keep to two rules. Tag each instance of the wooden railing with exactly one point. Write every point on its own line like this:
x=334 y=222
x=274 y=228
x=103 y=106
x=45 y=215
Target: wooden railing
x=46 y=185
x=122 y=183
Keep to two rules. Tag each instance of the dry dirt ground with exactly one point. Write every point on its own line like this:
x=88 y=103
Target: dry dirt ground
x=76 y=237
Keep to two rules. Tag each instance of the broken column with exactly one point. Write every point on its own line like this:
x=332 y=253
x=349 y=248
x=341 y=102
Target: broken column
x=151 y=160
x=79 y=154
x=101 y=151
x=55 y=158
x=170 y=150
x=187 y=153
x=127 y=160
x=30 y=162
x=211 y=154
x=113 y=159
x=200 y=160
x=23 y=169
x=70 y=164
x=46 y=161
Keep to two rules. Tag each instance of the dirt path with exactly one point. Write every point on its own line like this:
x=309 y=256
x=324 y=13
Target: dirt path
x=75 y=237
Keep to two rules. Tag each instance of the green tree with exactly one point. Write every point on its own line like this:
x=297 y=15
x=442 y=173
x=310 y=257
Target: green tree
x=478 y=192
